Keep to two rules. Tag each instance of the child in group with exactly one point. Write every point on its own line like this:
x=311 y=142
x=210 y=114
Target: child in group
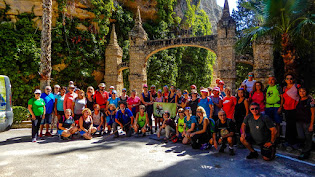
x=168 y=126
x=158 y=120
x=98 y=118
x=110 y=117
x=180 y=124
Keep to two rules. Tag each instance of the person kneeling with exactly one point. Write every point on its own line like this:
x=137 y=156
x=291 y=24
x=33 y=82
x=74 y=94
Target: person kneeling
x=168 y=126
x=86 y=124
x=142 y=121
x=66 y=125
x=261 y=131
x=204 y=130
x=98 y=119
x=124 y=118
x=110 y=117
x=180 y=124
x=225 y=129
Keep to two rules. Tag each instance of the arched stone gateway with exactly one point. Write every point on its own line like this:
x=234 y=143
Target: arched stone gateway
x=222 y=44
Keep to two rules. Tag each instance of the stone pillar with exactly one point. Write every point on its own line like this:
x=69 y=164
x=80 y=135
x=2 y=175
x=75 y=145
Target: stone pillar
x=263 y=59
x=226 y=52
x=113 y=57
x=137 y=63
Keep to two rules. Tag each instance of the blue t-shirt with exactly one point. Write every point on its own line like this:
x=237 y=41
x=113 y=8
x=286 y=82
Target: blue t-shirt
x=191 y=120
x=114 y=101
x=60 y=100
x=205 y=104
x=124 y=118
x=49 y=101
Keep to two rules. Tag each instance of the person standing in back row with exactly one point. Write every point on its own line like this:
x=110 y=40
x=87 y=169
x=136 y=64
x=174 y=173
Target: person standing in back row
x=49 y=99
x=249 y=82
x=101 y=97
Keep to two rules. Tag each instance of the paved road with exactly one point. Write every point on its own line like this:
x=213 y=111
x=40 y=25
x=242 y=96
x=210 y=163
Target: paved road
x=129 y=157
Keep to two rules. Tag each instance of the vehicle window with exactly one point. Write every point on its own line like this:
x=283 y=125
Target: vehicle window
x=2 y=94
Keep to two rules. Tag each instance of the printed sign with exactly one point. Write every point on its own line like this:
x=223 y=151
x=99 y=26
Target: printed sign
x=159 y=108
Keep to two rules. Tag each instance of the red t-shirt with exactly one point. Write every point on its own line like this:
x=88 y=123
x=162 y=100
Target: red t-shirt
x=101 y=99
x=289 y=103
x=229 y=106
x=135 y=100
x=260 y=99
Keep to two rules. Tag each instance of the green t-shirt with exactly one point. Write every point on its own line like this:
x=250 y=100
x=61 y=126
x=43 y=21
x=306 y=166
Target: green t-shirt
x=141 y=120
x=37 y=106
x=180 y=123
x=272 y=97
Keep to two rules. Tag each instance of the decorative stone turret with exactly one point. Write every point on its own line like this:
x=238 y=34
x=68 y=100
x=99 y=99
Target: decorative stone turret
x=137 y=63
x=113 y=57
x=226 y=52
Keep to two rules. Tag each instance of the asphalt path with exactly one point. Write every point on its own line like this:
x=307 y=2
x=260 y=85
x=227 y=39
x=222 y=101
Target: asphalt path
x=134 y=156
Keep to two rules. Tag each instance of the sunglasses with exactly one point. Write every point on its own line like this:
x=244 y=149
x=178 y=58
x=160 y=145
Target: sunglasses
x=48 y=89
x=142 y=108
x=185 y=93
x=198 y=112
x=145 y=87
x=124 y=91
x=289 y=78
x=37 y=93
x=181 y=112
x=256 y=109
x=250 y=75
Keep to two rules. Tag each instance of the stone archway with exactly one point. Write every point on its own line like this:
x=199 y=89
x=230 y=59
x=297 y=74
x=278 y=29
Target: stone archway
x=222 y=44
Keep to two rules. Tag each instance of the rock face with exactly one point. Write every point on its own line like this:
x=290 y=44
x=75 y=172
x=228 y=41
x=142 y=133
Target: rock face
x=213 y=10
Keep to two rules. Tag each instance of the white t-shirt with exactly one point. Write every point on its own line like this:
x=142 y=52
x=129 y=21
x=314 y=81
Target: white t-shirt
x=249 y=84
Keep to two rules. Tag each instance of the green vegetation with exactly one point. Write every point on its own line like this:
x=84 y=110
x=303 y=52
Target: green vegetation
x=20 y=114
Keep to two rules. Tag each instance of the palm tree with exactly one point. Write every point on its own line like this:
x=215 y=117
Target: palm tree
x=45 y=65
x=284 y=19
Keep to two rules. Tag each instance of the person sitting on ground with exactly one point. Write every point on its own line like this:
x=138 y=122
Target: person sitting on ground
x=98 y=118
x=110 y=117
x=180 y=124
x=225 y=129
x=201 y=137
x=142 y=121
x=189 y=125
x=305 y=111
x=124 y=118
x=86 y=124
x=67 y=126
x=261 y=131
x=168 y=127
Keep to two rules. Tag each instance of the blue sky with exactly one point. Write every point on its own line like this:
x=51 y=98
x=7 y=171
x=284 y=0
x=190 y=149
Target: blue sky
x=232 y=4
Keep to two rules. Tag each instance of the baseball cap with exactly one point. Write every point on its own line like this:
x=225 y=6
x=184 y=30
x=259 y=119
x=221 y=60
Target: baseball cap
x=193 y=86
x=145 y=86
x=111 y=87
x=194 y=91
x=37 y=91
x=152 y=86
x=114 y=92
x=71 y=86
x=160 y=90
x=205 y=90
x=57 y=86
x=101 y=85
x=124 y=89
x=221 y=82
x=216 y=89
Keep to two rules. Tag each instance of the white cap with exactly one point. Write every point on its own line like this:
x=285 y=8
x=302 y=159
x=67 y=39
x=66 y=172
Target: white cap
x=111 y=87
x=57 y=86
x=37 y=91
x=101 y=85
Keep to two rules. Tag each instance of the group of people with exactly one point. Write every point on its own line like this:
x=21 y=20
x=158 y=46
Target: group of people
x=210 y=117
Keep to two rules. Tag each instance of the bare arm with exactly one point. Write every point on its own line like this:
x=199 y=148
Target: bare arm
x=211 y=110
x=312 y=120
x=31 y=111
x=246 y=106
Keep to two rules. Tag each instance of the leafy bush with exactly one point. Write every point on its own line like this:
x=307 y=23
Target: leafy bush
x=20 y=114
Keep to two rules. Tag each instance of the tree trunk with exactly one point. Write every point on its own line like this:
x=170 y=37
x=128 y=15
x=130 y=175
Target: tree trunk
x=45 y=59
x=289 y=55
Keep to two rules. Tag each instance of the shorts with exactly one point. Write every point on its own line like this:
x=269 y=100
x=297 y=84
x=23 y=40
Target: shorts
x=82 y=132
x=109 y=121
x=97 y=126
x=47 y=119
x=60 y=132
x=266 y=152
x=62 y=113
x=273 y=114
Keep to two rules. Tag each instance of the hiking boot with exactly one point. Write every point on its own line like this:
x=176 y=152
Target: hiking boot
x=204 y=146
x=252 y=155
x=223 y=146
x=47 y=134
x=41 y=135
x=232 y=152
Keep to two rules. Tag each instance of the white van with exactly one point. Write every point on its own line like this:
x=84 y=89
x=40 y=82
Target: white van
x=6 y=112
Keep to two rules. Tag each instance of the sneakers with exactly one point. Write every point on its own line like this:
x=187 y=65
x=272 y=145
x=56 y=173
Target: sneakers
x=223 y=146
x=232 y=152
x=41 y=135
x=47 y=134
x=34 y=140
x=252 y=155
x=204 y=146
